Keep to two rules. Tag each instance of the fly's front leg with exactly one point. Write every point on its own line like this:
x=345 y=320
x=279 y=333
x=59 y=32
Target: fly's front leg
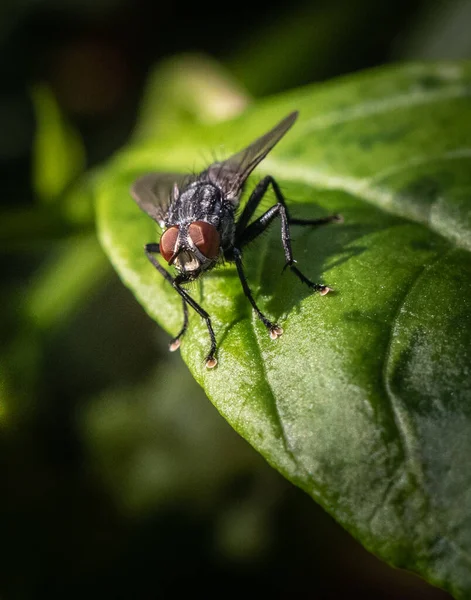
x=246 y=233
x=175 y=343
x=151 y=250
x=211 y=360
x=274 y=329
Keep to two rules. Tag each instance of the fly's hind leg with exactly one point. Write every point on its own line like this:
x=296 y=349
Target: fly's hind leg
x=245 y=233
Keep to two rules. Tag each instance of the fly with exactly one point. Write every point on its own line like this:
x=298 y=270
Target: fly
x=198 y=216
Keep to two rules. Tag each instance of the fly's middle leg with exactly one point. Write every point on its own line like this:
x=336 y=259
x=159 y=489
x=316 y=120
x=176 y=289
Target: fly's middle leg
x=274 y=329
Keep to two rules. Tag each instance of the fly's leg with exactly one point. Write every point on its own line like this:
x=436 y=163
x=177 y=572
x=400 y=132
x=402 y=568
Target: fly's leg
x=259 y=226
x=211 y=361
x=246 y=233
x=150 y=250
x=255 y=199
x=274 y=329
x=175 y=343
x=317 y=222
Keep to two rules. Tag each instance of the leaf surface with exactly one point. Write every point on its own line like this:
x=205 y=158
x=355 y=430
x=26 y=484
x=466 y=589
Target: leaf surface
x=365 y=401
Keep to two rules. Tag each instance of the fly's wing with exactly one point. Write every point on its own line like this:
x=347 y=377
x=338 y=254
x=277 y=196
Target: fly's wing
x=153 y=192
x=231 y=174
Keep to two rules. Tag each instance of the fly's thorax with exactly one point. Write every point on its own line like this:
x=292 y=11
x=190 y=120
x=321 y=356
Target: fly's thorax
x=199 y=201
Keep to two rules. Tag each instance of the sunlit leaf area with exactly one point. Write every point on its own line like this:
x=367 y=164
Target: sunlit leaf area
x=329 y=462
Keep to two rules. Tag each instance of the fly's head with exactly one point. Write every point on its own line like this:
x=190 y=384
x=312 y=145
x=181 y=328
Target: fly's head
x=192 y=248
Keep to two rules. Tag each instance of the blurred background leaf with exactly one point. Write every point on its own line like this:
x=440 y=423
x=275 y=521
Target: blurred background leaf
x=58 y=151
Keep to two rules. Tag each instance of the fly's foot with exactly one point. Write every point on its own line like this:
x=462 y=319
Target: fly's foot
x=174 y=344
x=275 y=331
x=324 y=290
x=211 y=362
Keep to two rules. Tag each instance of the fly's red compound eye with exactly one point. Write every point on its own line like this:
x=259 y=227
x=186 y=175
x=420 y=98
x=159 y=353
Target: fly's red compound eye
x=205 y=237
x=168 y=241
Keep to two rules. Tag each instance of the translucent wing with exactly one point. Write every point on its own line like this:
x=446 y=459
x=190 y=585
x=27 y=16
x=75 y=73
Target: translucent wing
x=231 y=174
x=153 y=192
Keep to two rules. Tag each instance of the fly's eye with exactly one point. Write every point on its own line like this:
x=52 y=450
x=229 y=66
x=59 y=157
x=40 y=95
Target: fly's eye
x=167 y=242
x=205 y=237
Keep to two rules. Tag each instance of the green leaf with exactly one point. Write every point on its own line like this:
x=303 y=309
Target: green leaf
x=364 y=402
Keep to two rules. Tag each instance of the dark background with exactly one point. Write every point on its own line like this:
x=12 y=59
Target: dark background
x=110 y=489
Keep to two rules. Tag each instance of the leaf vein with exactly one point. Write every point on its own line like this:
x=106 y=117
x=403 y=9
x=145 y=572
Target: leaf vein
x=276 y=412
x=376 y=107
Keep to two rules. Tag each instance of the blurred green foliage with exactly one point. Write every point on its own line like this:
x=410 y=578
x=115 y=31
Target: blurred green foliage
x=58 y=150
